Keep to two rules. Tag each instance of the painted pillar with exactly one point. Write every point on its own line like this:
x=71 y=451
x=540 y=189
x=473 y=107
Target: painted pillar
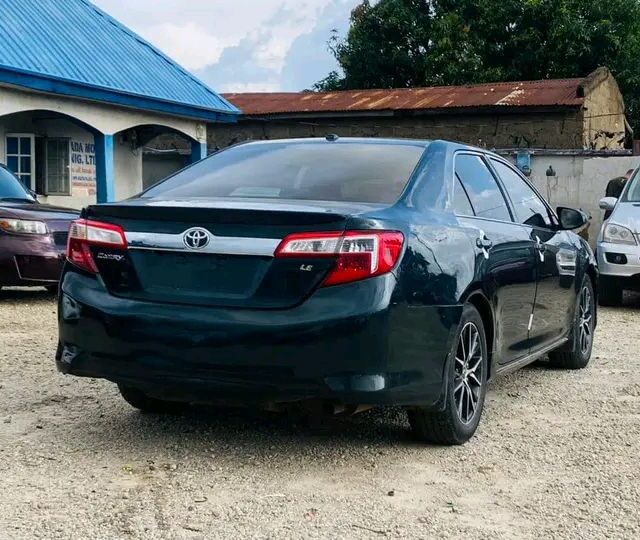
x=105 y=182
x=198 y=151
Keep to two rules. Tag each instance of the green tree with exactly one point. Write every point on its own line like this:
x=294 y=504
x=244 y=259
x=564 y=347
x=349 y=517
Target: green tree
x=402 y=43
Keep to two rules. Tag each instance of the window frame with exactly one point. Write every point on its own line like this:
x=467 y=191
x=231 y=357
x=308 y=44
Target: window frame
x=507 y=200
x=458 y=182
x=552 y=215
x=19 y=155
x=47 y=190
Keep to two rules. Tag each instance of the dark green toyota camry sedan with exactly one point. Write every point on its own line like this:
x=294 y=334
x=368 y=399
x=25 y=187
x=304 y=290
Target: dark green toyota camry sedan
x=347 y=272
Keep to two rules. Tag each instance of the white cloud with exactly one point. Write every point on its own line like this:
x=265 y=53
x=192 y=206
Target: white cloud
x=240 y=44
x=177 y=41
x=266 y=86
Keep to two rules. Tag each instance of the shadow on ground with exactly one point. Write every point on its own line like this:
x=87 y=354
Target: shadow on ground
x=24 y=294
x=232 y=431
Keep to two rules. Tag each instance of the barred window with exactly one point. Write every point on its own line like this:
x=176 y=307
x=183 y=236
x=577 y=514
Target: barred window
x=58 y=167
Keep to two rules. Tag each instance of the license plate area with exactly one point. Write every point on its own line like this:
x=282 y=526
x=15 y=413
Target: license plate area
x=199 y=274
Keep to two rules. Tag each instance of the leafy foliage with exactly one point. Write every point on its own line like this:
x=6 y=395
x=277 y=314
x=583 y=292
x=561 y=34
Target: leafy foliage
x=402 y=43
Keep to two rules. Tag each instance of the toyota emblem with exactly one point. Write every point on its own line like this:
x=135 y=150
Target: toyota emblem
x=196 y=238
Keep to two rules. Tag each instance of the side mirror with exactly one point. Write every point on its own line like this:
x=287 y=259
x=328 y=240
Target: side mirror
x=608 y=203
x=571 y=219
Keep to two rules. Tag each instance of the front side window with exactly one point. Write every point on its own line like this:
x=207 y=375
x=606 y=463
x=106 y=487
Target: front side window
x=528 y=207
x=351 y=172
x=481 y=187
x=633 y=193
x=11 y=188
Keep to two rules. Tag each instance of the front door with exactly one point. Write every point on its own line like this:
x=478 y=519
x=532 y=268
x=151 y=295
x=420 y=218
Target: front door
x=505 y=254
x=555 y=260
x=20 y=157
x=556 y=296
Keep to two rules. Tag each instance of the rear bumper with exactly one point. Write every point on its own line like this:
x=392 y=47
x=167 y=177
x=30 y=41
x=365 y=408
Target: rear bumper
x=349 y=344
x=32 y=261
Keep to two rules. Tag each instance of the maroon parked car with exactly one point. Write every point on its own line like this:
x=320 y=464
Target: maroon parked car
x=33 y=236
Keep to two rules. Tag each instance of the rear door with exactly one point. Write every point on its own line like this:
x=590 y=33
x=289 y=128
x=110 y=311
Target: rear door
x=505 y=253
x=555 y=259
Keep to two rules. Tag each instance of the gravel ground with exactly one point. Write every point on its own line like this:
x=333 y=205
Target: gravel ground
x=556 y=456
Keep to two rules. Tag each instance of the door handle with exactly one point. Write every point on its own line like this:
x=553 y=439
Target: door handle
x=541 y=248
x=484 y=243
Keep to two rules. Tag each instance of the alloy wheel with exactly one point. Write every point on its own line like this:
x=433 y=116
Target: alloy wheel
x=585 y=322
x=468 y=373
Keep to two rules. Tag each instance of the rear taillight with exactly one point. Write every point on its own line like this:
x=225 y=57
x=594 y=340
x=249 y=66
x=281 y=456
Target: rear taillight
x=84 y=233
x=359 y=254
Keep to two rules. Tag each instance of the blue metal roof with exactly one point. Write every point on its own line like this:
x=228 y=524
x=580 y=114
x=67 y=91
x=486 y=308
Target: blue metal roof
x=71 y=47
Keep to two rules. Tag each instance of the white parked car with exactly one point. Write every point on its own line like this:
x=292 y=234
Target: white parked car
x=619 y=244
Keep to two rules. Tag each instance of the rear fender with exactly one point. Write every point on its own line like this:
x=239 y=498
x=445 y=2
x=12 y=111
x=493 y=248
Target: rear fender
x=477 y=296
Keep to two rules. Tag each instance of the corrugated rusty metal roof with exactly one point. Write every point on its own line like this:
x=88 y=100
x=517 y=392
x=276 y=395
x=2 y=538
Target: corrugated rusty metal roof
x=547 y=93
x=73 y=48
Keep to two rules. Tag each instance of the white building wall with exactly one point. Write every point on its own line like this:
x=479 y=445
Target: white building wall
x=579 y=182
x=106 y=119
x=127 y=170
x=18 y=115
x=82 y=170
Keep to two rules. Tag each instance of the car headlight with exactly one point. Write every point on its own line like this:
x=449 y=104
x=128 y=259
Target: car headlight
x=617 y=234
x=23 y=226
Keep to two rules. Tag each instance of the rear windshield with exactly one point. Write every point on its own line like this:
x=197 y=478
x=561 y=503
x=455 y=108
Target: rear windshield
x=351 y=172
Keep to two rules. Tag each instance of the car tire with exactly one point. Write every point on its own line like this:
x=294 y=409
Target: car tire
x=610 y=292
x=141 y=401
x=466 y=381
x=579 y=355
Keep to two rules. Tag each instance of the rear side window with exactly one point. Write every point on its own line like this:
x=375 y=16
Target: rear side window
x=528 y=207
x=481 y=187
x=461 y=204
x=352 y=172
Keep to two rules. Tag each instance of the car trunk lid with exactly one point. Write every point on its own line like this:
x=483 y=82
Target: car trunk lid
x=232 y=261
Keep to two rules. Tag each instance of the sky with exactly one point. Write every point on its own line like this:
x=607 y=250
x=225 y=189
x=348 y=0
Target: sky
x=241 y=45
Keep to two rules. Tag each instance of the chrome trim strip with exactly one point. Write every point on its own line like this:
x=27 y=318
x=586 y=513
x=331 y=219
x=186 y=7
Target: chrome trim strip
x=530 y=358
x=220 y=245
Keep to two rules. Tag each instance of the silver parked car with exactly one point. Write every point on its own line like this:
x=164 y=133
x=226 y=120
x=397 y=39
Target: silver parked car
x=619 y=244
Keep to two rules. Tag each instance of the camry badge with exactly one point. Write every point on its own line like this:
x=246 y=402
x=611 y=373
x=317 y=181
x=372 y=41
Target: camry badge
x=196 y=238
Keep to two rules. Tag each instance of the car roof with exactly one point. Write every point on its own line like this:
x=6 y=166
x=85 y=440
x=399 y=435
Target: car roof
x=345 y=140
x=371 y=140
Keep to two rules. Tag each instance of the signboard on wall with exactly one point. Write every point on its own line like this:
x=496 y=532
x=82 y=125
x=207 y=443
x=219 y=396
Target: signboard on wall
x=82 y=167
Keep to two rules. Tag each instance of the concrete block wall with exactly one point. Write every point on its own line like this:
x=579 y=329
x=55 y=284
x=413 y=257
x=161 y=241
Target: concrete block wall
x=561 y=130
x=580 y=181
